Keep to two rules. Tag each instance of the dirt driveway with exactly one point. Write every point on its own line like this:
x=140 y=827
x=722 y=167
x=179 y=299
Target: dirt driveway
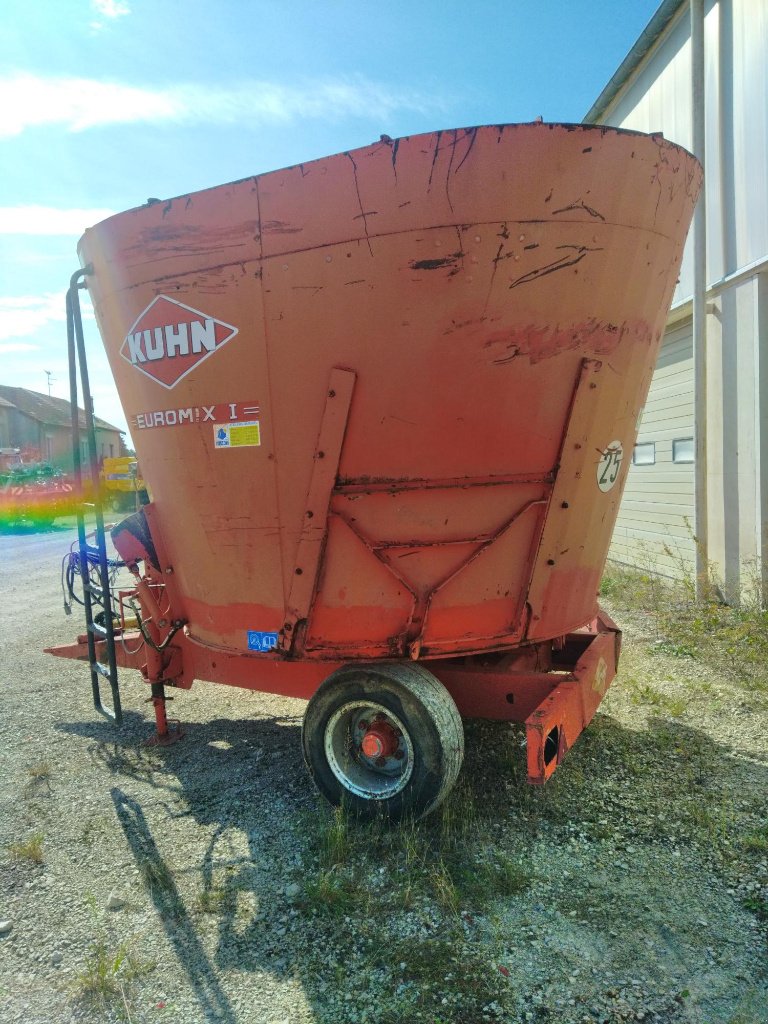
x=206 y=882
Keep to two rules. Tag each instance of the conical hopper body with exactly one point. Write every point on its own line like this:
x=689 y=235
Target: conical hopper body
x=385 y=402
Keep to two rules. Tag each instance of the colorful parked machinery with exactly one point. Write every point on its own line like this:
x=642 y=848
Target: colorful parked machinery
x=122 y=485
x=34 y=494
x=385 y=403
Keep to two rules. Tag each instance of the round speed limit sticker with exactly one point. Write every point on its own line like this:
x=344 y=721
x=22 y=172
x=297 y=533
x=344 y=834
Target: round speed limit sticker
x=609 y=465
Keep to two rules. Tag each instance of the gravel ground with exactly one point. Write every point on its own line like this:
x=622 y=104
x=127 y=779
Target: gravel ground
x=206 y=882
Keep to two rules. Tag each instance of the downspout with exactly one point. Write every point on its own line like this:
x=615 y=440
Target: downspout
x=762 y=406
x=699 y=305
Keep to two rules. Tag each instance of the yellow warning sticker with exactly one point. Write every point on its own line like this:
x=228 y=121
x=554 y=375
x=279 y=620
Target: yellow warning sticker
x=237 y=435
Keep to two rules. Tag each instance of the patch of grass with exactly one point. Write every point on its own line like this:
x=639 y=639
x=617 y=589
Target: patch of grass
x=444 y=888
x=710 y=819
x=436 y=861
x=106 y=980
x=39 y=779
x=332 y=894
x=30 y=849
x=758 y=906
x=647 y=695
x=728 y=635
x=217 y=899
x=755 y=842
x=435 y=969
x=674 y=648
x=498 y=877
x=156 y=875
x=40 y=771
x=333 y=837
x=93 y=827
x=426 y=960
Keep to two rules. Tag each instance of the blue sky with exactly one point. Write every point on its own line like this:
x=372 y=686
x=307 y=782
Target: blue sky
x=108 y=102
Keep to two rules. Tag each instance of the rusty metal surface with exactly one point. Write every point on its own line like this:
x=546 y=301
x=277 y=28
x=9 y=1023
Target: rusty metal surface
x=314 y=530
x=477 y=282
x=545 y=685
x=555 y=725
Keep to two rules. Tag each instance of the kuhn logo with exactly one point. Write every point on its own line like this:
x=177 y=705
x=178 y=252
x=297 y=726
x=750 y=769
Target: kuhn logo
x=170 y=339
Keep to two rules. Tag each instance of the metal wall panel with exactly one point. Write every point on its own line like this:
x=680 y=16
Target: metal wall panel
x=651 y=530
x=658 y=99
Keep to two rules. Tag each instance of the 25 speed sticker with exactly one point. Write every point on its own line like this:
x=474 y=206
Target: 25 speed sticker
x=609 y=465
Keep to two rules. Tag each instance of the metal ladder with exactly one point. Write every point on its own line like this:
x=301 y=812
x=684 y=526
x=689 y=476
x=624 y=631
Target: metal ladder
x=94 y=594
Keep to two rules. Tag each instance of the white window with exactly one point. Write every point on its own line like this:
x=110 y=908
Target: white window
x=644 y=454
x=683 y=450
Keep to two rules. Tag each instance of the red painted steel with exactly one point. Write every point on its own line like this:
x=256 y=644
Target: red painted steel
x=554 y=726
x=385 y=403
x=497 y=295
x=548 y=687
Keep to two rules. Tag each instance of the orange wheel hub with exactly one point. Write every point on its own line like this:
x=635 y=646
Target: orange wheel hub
x=380 y=740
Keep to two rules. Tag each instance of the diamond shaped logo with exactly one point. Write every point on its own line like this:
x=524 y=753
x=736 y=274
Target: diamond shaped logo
x=169 y=339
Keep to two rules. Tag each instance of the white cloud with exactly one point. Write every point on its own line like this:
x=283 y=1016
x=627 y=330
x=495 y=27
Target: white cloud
x=111 y=8
x=24 y=315
x=47 y=220
x=76 y=104
x=13 y=347
x=106 y=11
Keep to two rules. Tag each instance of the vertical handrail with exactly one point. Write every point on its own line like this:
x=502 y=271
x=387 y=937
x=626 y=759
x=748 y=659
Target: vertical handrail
x=76 y=353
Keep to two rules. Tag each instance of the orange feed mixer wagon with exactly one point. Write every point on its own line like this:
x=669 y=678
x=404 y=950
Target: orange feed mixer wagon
x=385 y=404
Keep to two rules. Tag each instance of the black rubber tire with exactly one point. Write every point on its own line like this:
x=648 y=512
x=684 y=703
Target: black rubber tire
x=433 y=724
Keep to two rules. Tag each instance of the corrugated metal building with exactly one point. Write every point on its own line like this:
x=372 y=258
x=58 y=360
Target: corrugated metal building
x=653 y=91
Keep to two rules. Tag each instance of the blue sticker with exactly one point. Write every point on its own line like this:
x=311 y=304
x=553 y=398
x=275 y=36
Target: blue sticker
x=261 y=641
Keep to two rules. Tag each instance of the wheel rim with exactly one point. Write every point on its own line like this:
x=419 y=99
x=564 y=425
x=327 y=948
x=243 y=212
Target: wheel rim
x=369 y=750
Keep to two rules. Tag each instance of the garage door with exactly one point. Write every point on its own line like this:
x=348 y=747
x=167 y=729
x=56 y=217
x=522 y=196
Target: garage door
x=655 y=523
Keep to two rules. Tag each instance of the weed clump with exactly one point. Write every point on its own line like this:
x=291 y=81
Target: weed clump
x=729 y=636
x=29 y=850
x=156 y=875
x=107 y=977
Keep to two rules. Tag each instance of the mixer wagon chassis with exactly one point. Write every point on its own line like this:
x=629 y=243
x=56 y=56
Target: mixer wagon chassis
x=554 y=688
x=385 y=733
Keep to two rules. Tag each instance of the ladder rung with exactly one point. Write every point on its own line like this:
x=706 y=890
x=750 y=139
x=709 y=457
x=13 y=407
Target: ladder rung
x=94 y=568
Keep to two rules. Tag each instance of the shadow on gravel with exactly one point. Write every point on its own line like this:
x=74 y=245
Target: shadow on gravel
x=667 y=791
x=178 y=924
x=237 y=777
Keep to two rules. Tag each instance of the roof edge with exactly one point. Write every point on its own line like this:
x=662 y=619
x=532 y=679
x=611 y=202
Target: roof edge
x=645 y=43
x=39 y=415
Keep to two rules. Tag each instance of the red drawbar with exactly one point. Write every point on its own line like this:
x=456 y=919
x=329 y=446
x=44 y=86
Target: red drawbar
x=553 y=728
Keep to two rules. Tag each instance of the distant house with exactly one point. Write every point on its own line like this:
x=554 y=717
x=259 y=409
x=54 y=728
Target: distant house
x=42 y=426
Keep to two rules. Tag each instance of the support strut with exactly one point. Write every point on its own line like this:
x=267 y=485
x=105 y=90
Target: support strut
x=168 y=730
